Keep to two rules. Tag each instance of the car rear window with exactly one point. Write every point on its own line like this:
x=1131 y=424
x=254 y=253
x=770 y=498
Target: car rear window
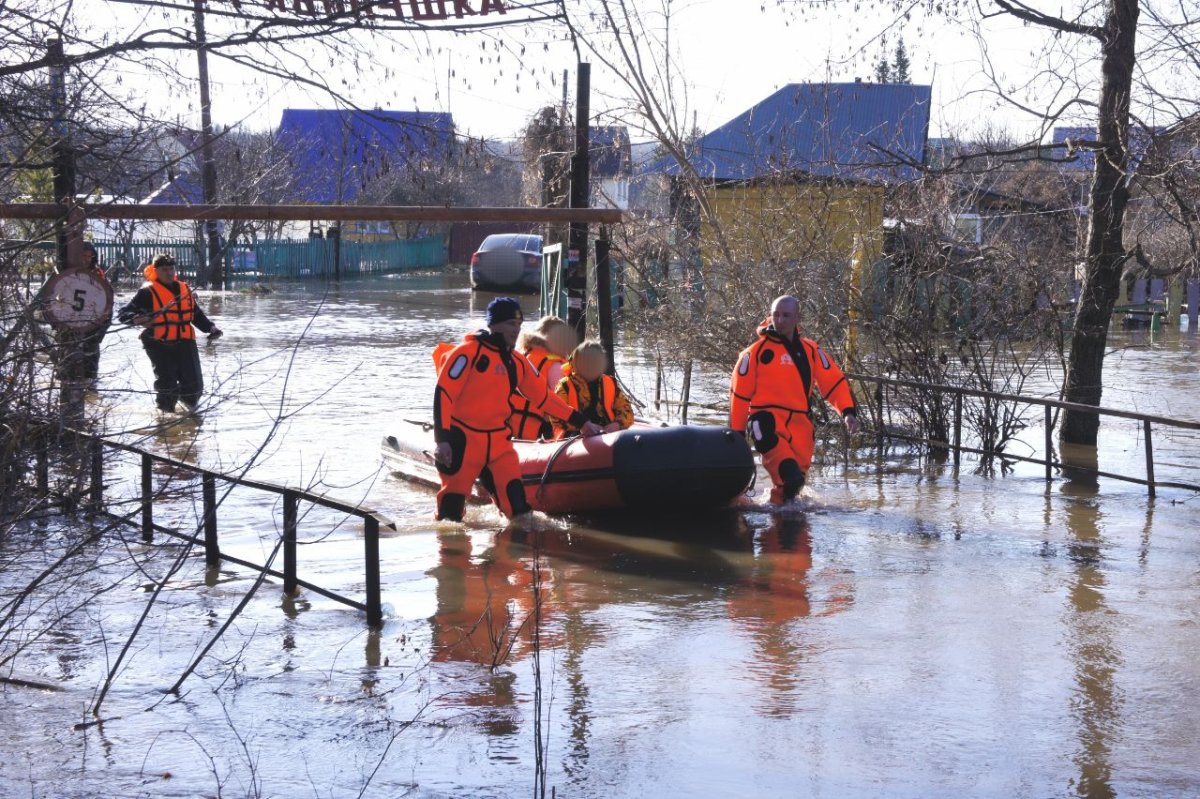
x=511 y=241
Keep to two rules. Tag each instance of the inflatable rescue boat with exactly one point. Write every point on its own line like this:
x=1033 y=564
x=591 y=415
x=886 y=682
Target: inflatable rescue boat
x=644 y=467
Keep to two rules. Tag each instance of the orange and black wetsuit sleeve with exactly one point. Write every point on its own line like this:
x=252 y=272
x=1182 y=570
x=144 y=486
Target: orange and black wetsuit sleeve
x=453 y=377
x=742 y=387
x=834 y=387
x=541 y=399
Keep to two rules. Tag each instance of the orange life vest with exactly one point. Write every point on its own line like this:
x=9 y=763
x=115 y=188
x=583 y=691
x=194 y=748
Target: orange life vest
x=608 y=396
x=541 y=357
x=172 y=319
x=772 y=375
x=525 y=423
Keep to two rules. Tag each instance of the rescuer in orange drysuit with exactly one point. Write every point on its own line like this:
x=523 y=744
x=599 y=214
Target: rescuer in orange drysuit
x=471 y=412
x=546 y=347
x=770 y=391
x=166 y=307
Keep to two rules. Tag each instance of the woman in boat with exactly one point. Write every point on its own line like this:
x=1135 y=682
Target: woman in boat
x=547 y=347
x=596 y=395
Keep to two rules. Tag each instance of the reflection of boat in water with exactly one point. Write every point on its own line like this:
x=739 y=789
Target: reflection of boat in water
x=642 y=468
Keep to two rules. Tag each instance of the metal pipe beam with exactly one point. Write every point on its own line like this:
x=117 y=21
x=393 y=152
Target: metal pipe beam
x=302 y=213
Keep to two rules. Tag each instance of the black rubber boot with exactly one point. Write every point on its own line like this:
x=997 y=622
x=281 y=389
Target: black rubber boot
x=451 y=508
x=793 y=479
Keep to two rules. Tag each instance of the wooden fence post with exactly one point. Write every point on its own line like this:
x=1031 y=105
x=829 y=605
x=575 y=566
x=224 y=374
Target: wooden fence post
x=958 y=408
x=212 y=550
x=1149 y=458
x=1049 y=445
x=371 y=547
x=147 y=499
x=96 y=457
x=290 y=507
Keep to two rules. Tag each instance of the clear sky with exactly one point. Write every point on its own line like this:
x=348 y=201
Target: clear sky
x=731 y=54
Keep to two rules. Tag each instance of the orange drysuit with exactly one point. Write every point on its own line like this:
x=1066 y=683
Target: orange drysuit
x=525 y=422
x=471 y=412
x=770 y=390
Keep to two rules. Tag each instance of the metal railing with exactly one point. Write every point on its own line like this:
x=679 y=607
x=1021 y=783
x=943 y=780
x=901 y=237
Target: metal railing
x=957 y=447
x=95 y=447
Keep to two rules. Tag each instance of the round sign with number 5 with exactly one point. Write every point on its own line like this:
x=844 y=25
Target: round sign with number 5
x=78 y=300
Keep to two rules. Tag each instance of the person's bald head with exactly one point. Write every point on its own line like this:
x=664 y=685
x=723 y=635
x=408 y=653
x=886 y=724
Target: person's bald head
x=785 y=315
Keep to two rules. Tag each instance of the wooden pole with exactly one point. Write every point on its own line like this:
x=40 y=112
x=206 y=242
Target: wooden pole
x=147 y=499
x=63 y=173
x=214 y=274
x=577 y=247
x=1149 y=458
x=604 y=297
x=290 y=512
x=371 y=557
x=212 y=549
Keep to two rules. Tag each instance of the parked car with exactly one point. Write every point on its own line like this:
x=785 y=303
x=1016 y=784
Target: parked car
x=508 y=262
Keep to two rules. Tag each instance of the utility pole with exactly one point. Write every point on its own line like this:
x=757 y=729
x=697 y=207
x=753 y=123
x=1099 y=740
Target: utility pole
x=214 y=274
x=577 y=247
x=63 y=157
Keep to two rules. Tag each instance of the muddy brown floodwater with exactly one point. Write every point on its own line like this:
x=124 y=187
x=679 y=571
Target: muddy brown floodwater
x=908 y=631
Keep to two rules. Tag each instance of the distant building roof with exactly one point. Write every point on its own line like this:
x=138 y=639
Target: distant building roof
x=1140 y=141
x=610 y=151
x=185 y=189
x=335 y=154
x=850 y=131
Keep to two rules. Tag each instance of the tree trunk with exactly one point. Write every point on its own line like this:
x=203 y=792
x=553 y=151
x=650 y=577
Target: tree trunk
x=1105 y=256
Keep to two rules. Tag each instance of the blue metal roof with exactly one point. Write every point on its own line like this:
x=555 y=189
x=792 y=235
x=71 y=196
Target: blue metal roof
x=185 y=189
x=334 y=154
x=1139 y=142
x=610 y=151
x=1086 y=159
x=848 y=131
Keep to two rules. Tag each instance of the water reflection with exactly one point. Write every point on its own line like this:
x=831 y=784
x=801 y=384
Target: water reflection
x=485 y=600
x=1096 y=703
x=752 y=570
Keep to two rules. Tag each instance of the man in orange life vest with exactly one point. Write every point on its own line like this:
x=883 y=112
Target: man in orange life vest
x=166 y=307
x=471 y=413
x=770 y=390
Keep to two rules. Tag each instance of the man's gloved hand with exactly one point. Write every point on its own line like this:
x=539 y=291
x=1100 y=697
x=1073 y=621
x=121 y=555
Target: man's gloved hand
x=851 y=422
x=215 y=334
x=591 y=429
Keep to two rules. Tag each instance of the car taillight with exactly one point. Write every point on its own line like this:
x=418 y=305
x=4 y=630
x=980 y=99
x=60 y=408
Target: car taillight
x=532 y=261
x=475 y=259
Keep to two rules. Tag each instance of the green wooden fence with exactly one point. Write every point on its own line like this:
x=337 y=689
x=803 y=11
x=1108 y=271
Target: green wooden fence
x=282 y=258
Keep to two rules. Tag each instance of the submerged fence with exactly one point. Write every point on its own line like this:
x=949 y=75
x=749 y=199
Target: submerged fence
x=92 y=448
x=888 y=390
x=281 y=258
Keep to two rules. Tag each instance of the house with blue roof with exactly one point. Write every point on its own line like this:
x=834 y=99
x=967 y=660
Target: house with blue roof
x=801 y=176
x=611 y=166
x=358 y=157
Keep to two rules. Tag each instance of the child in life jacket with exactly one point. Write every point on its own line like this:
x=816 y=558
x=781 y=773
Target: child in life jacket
x=547 y=346
x=596 y=395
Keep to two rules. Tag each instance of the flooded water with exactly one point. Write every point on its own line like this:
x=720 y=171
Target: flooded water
x=909 y=630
